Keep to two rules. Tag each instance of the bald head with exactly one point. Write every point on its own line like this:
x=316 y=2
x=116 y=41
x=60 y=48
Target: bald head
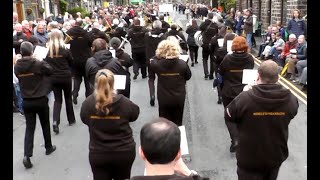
x=268 y=72
x=136 y=21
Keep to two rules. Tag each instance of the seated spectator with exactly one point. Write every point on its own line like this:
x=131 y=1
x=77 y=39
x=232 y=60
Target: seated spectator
x=277 y=47
x=291 y=44
x=163 y=160
x=300 y=67
x=267 y=49
x=266 y=41
x=281 y=29
x=26 y=29
x=41 y=34
x=293 y=58
x=303 y=79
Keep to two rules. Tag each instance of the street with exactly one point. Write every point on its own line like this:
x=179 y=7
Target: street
x=208 y=138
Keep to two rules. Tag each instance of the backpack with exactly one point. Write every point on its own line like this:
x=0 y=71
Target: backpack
x=210 y=31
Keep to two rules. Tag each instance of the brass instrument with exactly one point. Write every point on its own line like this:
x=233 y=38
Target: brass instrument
x=67 y=39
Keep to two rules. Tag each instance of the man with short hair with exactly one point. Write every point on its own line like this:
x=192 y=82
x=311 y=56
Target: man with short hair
x=152 y=39
x=165 y=25
x=80 y=46
x=208 y=29
x=163 y=159
x=96 y=33
x=136 y=36
x=26 y=29
x=263 y=114
x=34 y=83
x=18 y=38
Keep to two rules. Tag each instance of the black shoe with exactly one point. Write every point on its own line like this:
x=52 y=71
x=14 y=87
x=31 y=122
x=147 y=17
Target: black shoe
x=143 y=77
x=219 y=100
x=211 y=77
x=55 y=128
x=288 y=75
x=135 y=76
x=196 y=62
x=304 y=88
x=27 y=163
x=72 y=123
x=152 y=100
x=15 y=110
x=192 y=64
x=75 y=101
x=233 y=146
x=50 y=150
x=206 y=77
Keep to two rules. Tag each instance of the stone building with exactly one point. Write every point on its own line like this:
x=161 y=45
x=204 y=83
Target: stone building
x=270 y=11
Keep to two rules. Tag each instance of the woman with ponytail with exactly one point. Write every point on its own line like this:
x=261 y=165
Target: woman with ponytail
x=107 y=115
x=60 y=59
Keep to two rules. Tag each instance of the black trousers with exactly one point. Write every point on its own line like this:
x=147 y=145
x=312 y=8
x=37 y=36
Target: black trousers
x=15 y=99
x=205 y=56
x=172 y=113
x=261 y=49
x=151 y=81
x=64 y=85
x=268 y=174
x=232 y=127
x=139 y=62
x=31 y=108
x=194 y=53
x=112 y=165
x=79 y=72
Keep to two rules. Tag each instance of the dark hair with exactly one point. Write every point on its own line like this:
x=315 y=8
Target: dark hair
x=210 y=15
x=26 y=49
x=173 y=26
x=268 y=71
x=160 y=141
x=99 y=44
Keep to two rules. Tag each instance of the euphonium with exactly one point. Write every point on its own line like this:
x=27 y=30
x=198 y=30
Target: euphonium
x=67 y=39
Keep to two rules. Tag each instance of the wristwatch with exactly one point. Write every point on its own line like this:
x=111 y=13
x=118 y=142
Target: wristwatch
x=193 y=173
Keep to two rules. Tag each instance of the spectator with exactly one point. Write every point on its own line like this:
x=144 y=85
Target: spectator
x=300 y=67
x=41 y=34
x=291 y=44
x=231 y=70
x=112 y=147
x=15 y=19
x=248 y=27
x=239 y=23
x=66 y=26
x=266 y=41
x=26 y=29
x=281 y=29
x=262 y=114
x=297 y=25
x=303 y=79
x=277 y=48
x=172 y=76
x=18 y=38
x=293 y=58
x=266 y=52
x=163 y=160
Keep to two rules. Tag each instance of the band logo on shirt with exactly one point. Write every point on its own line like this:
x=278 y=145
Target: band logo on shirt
x=269 y=113
x=26 y=74
x=169 y=74
x=104 y=117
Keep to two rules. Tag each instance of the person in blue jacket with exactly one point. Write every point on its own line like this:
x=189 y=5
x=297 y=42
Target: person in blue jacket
x=297 y=25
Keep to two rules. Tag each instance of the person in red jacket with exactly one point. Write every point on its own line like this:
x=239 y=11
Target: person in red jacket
x=291 y=44
x=26 y=28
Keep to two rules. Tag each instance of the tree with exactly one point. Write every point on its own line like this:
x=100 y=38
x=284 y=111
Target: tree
x=228 y=4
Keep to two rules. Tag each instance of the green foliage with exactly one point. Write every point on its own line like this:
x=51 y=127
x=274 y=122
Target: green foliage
x=63 y=6
x=74 y=11
x=228 y=4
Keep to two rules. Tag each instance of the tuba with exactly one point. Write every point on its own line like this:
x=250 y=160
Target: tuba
x=67 y=39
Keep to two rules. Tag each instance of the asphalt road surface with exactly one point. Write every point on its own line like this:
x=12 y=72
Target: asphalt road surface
x=208 y=139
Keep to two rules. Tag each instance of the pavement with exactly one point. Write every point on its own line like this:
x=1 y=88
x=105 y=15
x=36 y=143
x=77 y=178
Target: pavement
x=207 y=135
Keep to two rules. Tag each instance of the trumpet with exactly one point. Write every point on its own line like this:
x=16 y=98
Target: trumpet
x=67 y=39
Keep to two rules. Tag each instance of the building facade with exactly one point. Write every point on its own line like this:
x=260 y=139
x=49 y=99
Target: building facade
x=270 y=11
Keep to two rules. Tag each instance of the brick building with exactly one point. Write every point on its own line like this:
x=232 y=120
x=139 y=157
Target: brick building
x=270 y=11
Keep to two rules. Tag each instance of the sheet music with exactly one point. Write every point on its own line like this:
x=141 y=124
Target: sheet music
x=229 y=45
x=184 y=142
x=40 y=52
x=249 y=76
x=220 y=42
x=113 y=52
x=119 y=82
x=184 y=57
x=67 y=46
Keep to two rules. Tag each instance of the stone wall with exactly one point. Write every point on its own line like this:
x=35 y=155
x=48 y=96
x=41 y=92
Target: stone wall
x=276 y=6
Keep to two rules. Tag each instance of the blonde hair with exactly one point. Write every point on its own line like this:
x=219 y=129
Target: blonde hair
x=55 y=42
x=104 y=82
x=168 y=49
